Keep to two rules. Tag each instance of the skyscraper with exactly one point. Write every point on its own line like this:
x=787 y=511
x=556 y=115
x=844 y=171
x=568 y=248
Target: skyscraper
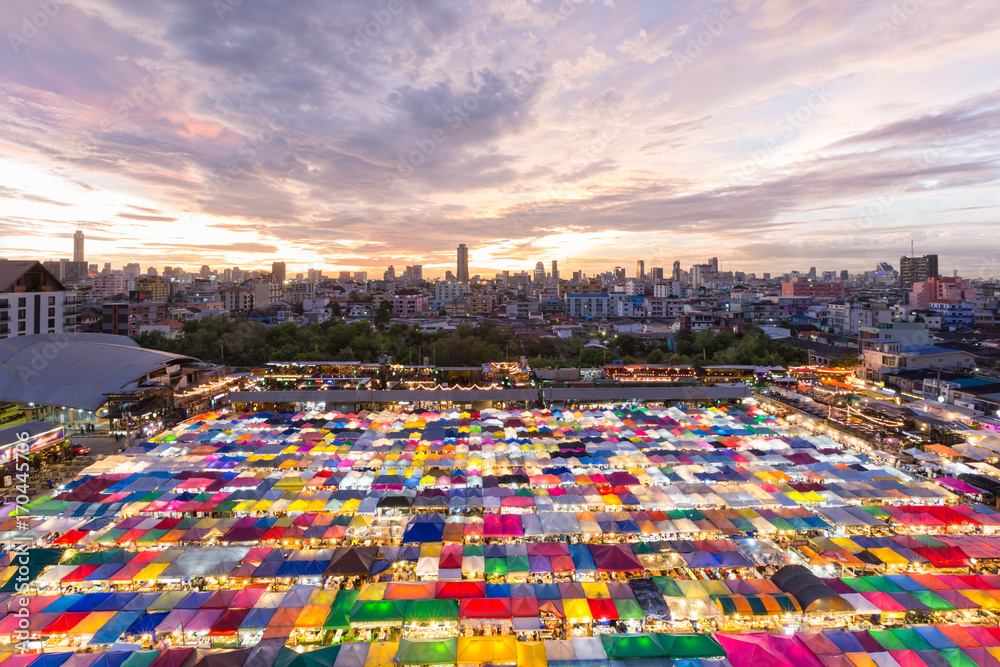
x=278 y=271
x=676 y=275
x=640 y=269
x=463 y=263
x=917 y=269
x=539 y=276
x=78 y=246
x=555 y=271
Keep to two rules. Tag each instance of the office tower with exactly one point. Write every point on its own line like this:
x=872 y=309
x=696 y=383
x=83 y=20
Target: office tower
x=767 y=276
x=93 y=268
x=812 y=273
x=555 y=271
x=345 y=276
x=656 y=273
x=151 y=271
x=640 y=269
x=132 y=271
x=619 y=274
x=78 y=246
x=278 y=271
x=714 y=264
x=205 y=270
x=578 y=276
x=844 y=274
x=107 y=269
x=539 y=275
x=360 y=276
x=463 y=263
x=390 y=273
x=917 y=269
x=676 y=274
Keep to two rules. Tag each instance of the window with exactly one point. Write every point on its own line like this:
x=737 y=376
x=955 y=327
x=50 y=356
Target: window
x=52 y=301
x=52 y=312
x=20 y=326
x=22 y=302
x=4 y=303
x=21 y=314
x=52 y=323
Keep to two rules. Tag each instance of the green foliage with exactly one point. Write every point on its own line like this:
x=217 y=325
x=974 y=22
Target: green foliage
x=240 y=342
x=845 y=361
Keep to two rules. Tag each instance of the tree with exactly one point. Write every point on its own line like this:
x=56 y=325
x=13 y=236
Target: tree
x=591 y=357
x=627 y=344
x=383 y=314
x=655 y=357
x=845 y=361
x=336 y=309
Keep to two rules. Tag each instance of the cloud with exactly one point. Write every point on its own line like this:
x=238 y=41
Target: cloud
x=348 y=134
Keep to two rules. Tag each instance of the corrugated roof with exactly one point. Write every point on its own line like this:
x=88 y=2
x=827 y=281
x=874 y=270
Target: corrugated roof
x=74 y=370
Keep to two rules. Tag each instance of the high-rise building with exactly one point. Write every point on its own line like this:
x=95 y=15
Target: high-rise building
x=555 y=271
x=714 y=264
x=278 y=271
x=640 y=269
x=107 y=269
x=132 y=271
x=619 y=274
x=539 y=275
x=656 y=273
x=463 y=263
x=390 y=273
x=812 y=273
x=917 y=269
x=78 y=246
x=676 y=274
x=844 y=275
x=33 y=301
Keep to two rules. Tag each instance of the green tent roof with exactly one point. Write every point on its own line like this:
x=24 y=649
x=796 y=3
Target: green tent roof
x=624 y=647
x=339 y=616
x=691 y=646
x=432 y=610
x=428 y=651
x=384 y=611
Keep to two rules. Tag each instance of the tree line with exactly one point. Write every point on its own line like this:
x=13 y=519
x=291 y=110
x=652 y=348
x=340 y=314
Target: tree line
x=239 y=342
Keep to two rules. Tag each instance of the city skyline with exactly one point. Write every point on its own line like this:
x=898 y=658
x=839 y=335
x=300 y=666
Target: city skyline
x=357 y=136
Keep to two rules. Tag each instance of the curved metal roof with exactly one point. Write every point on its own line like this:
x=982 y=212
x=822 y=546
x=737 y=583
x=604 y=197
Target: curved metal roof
x=74 y=370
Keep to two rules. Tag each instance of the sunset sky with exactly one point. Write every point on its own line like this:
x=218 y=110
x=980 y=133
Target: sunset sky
x=773 y=134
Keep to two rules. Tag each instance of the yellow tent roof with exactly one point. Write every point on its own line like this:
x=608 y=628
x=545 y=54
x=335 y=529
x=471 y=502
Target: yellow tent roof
x=92 y=623
x=381 y=654
x=577 y=608
x=372 y=591
x=150 y=572
x=691 y=588
x=531 y=654
x=888 y=556
x=595 y=590
x=487 y=649
x=312 y=616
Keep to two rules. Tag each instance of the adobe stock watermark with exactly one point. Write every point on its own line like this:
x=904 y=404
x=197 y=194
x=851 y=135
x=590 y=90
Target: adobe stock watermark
x=713 y=26
x=591 y=152
x=31 y=25
x=786 y=128
x=250 y=151
x=122 y=107
x=42 y=356
x=367 y=33
x=898 y=16
x=460 y=114
x=888 y=198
